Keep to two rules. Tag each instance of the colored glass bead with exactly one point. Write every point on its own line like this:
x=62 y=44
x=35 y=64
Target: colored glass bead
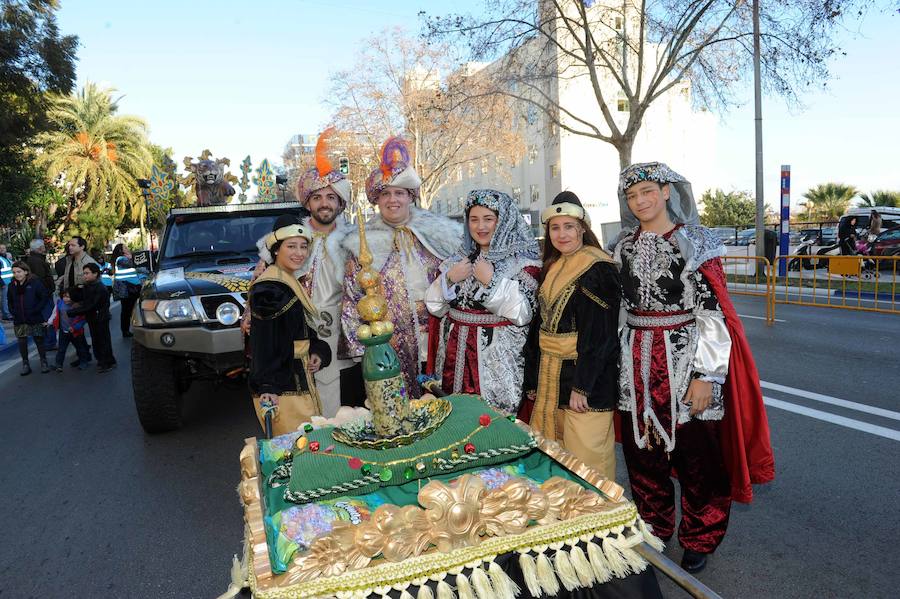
x=408 y=473
x=386 y=474
x=484 y=420
x=329 y=449
x=454 y=455
x=512 y=417
x=314 y=446
x=420 y=467
x=366 y=469
x=308 y=428
x=469 y=448
x=301 y=443
x=354 y=463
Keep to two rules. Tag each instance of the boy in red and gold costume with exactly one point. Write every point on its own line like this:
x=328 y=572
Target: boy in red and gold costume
x=690 y=397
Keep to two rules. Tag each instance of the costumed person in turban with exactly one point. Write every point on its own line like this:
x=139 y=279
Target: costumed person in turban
x=571 y=369
x=485 y=298
x=325 y=192
x=408 y=245
x=285 y=350
x=685 y=366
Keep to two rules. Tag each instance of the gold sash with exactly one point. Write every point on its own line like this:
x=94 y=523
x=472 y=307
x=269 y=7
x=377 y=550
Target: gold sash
x=554 y=349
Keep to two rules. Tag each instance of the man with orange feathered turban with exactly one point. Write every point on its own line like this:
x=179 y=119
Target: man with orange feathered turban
x=408 y=245
x=325 y=192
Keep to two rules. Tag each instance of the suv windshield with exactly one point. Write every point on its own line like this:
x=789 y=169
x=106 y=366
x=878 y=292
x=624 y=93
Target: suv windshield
x=231 y=235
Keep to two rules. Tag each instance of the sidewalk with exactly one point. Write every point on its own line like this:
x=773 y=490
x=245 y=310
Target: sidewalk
x=10 y=345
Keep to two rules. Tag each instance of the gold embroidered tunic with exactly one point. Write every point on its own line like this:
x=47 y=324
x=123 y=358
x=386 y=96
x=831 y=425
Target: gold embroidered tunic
x=572 y=344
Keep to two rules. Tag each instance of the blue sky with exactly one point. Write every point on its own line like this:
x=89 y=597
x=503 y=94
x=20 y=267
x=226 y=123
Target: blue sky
x=241 y=77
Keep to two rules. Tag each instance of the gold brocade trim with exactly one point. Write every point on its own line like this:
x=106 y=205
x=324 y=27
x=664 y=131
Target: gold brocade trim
x=284 y=309
x=571 y=463
x=594 y=298
x=568 y=269
x=552 y=313
x=274 y=273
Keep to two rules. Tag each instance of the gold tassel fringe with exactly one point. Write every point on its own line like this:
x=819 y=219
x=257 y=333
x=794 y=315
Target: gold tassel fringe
x=404 y=594
x=504 y=586
x=445 y=591
x=529 y=573
x=582 y=566
x=617 y=564
x=565 y=571
x=546 y=575
x=463 y=587
x=425 y=592
x=482 y=584
x=599 y=564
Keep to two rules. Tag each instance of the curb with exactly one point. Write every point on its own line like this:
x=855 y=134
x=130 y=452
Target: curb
x=871 y=295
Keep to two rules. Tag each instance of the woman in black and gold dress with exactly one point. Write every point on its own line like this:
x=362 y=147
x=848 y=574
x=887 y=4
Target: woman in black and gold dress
x=285 y=351
x=571 y=361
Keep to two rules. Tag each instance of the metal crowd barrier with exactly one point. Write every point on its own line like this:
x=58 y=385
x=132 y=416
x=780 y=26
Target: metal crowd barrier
x=866 y=283
x=753 y=276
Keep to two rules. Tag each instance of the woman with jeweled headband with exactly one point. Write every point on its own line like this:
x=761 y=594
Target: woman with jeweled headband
x=285 y=350
x=485 y=298
x=571 y=364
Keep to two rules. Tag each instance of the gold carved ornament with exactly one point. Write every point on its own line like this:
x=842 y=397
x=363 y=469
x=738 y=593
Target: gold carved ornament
x=455 y=516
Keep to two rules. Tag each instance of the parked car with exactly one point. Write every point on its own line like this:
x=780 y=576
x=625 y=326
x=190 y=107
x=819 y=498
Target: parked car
x=746 y=237
x=726 y=234
x=887 y=244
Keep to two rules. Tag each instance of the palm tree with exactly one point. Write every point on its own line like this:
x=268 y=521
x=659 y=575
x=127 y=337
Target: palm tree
x=94 y=154
x=882 y=197
x=828 y=201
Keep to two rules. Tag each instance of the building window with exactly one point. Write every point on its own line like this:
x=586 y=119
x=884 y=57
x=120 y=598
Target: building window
x=622 y=103
x=535 y=194
x=470 y=169
x=553 y=128
x=517 y=194
x=554 y=170
x=484 y=166
x=532 y=153
x=618 y=23
x=460 y=203
x=459 y=172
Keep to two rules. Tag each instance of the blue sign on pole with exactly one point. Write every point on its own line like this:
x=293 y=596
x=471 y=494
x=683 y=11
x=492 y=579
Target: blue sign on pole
x=784 y=248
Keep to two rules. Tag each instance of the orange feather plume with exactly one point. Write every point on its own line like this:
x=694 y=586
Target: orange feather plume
x=323 y=164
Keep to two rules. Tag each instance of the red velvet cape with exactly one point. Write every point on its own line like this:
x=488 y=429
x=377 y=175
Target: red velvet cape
x=746 y=447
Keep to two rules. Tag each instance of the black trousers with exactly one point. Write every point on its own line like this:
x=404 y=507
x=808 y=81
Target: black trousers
x=101 y=342
x=128 y=303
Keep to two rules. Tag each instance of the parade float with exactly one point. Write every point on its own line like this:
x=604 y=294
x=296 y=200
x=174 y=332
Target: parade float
x=434 y=497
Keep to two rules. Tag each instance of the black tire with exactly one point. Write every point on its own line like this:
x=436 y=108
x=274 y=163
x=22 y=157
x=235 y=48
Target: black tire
x=157 y=396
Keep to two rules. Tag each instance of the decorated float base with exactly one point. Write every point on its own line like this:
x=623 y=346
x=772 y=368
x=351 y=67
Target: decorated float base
x=482 y=508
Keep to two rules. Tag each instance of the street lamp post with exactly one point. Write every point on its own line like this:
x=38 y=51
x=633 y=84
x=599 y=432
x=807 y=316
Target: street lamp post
x=281 y=180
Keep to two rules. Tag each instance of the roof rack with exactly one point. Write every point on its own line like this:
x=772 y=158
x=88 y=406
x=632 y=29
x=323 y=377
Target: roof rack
x=227 y=208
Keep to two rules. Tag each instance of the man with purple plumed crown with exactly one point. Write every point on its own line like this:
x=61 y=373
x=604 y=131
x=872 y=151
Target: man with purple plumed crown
x=408 y=245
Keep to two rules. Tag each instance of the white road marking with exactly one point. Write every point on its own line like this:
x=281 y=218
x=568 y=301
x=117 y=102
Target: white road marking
x=17 y=361
x=759 y=317
x=843 y=403
x=865 y=427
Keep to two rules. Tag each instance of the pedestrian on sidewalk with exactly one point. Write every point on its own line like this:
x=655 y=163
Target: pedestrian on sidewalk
x=78 y=257
x=71 y=330
x=127 y=280
x=5 y=280
x=95 y=308
x=40 y=268
x=27 y=297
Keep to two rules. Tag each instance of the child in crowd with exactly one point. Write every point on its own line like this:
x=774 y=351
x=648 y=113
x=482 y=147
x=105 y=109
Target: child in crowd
x=71 y=330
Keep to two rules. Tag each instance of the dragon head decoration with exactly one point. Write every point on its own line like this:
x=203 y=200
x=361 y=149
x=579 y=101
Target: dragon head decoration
x=210 y=183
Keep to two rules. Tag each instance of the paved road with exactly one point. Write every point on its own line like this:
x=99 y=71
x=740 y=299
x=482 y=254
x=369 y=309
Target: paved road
x=93 y=507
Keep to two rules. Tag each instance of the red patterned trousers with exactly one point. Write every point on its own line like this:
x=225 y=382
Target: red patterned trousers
x=702 y=477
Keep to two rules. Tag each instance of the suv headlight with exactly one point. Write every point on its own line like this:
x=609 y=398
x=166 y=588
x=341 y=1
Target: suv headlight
x=164 y=311
x=228 y=313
